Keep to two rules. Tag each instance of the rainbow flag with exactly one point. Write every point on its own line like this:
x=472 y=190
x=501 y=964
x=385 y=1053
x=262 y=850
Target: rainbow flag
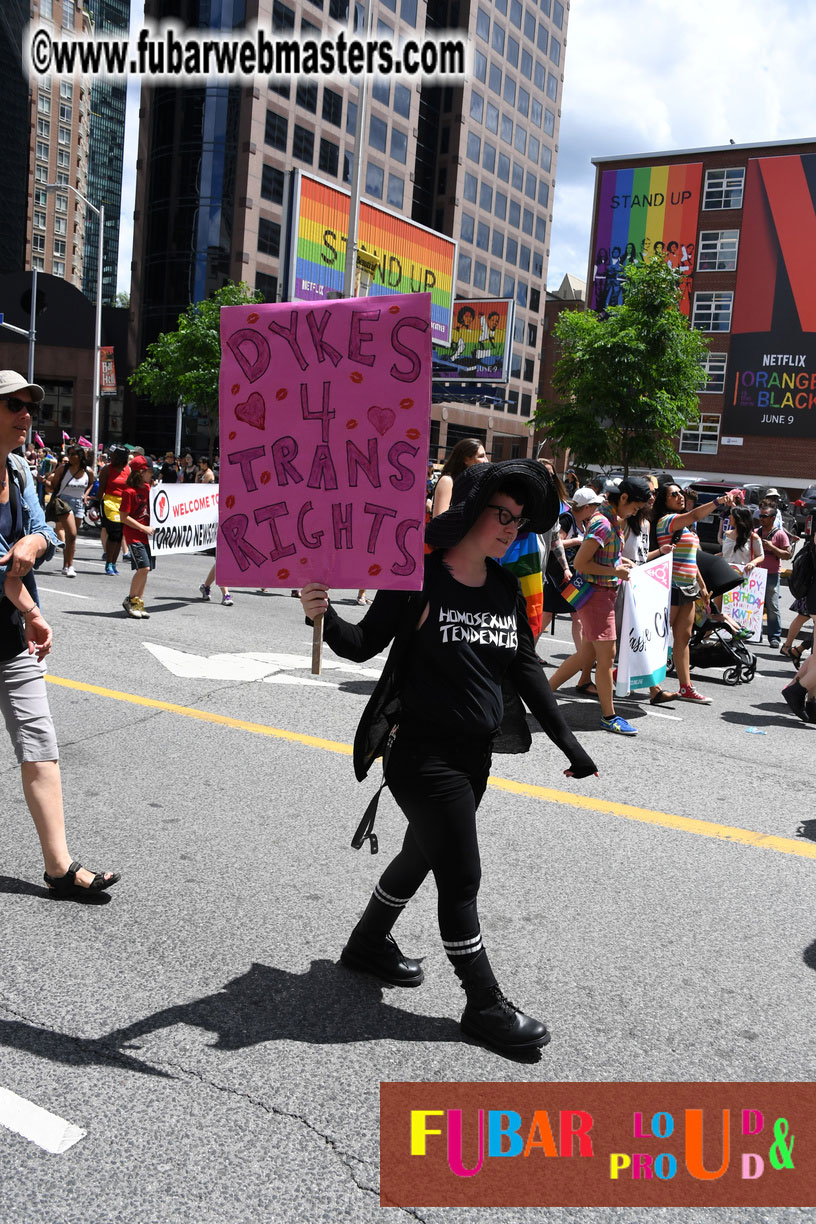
x=577 y=591
x=523 y=558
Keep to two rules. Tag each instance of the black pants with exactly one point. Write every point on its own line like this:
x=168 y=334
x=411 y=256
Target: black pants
x=439 y=785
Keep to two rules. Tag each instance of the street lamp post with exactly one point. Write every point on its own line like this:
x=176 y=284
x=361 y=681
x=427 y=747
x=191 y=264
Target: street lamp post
x=100 y=212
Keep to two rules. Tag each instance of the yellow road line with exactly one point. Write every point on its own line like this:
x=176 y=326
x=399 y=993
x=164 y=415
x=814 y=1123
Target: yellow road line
x=701 y=828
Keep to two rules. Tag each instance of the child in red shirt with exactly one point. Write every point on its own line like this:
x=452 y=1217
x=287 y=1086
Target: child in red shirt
x=135 y=518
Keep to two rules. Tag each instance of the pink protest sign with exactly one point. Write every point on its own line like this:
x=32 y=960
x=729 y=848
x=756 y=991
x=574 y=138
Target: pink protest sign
x=325 y=415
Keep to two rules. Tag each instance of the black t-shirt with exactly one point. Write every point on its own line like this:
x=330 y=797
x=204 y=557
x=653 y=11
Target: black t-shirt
x=459 y=656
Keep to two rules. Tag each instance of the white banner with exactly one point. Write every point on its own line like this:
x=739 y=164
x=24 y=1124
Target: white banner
x=745 y=604
x=644 y=640
x=185 y=518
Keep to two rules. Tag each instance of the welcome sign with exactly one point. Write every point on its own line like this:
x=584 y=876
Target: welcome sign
x=324 y=422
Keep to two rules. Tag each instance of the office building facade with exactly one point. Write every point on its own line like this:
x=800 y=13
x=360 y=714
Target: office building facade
x=474 y=160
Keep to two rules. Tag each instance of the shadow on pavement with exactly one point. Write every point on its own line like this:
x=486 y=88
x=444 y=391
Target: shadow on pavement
x=11 y=884
x=72 y=1051
x=327 y=1005
x=781 y=716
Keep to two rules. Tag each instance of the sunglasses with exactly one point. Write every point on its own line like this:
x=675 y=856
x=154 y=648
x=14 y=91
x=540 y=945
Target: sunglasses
x=16 y=405
x=506 y=517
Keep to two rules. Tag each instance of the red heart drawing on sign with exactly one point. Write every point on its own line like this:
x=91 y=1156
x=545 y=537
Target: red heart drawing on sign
x=381 y=418
x=252 y=411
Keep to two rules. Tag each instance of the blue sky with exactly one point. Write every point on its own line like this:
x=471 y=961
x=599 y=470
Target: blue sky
x=643 y=76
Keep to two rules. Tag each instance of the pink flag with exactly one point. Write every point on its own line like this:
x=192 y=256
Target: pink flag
x=83 y=441
x=66 y=437
x=38 y=440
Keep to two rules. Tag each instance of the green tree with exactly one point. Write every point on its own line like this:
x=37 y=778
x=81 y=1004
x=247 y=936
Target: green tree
x=183 y=365
x=627 y=382
x=121 y=299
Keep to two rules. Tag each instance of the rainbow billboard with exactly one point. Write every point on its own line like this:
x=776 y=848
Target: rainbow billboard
x=481 y=341
x=411 y=258
x=651 y=210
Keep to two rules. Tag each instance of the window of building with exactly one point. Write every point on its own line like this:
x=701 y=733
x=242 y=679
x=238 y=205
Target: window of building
x=60 y=248
x=283 y=18
x=62 y=179
x=381 y=90
x=267 y=285
x=555 y=51
x=527 y=222
x=61 y=204
x=501 y=205
x=512 y=250
x=543 y=192
x=328 y=158
x=717 y=250
x=515 y=361
x=486 y=197
x=277 y=130
x=515 y=13
x=463 y=268
x=442 y=181
x=46 y=10
x=536 y=112
x=524 y=258
x=44 y=128
x=476 y=106
x=444 y=140
x=546 y=157
x=346 y=167
x=396 y=190
x=42 y=150
x=482 y=236
x=552 y=86
x=714 y=366
x=332 y=107
x=509 y=90
x=507 y=129
x=44 y=104
x=351 y=117
x=494 y=286
x=492 y=119
x=306 y=96
x=479 y=66
x=269 y=233
x=309 y=30
x=38 y=242
x=272 y=181
x=529 y=365
x=557 y=14
x=58 y=268
x=520 y=139
x=40 y=197
x=281 y=88
x=515 y=214
x=513 y=50
x=44 y=83
x=303 y=144
x=479 y=274
x=723 y=188
x=474 y=147
x=399 y=145
x=66 y=112
x=504 y=168
x=38 y=262
x=495 y=79
x=377 y=134
x=518 y=176
x=64 y=136
x=535 y=300
x=501 y=6
x=538 y=263
x=526 y=404
x=523 y=103
x=530 y=184
x=542 y=38
x=67 y=90
x=470 y=187
x=483 y=24
x=712 y=312
x=64 y=158
x=532 y=334
x=540 y=76
x=402 y=100
x=497 y=244
x=375 y=179
x=68 y=18
x=498 y=38
x=529 y=26
x=60 y=225
x=408 y=11
x=702 y=438
x=489 y=157
x=549 y=121
x=468 y=227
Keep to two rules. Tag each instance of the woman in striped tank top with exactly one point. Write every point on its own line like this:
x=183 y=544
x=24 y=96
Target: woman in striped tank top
x=672 y=524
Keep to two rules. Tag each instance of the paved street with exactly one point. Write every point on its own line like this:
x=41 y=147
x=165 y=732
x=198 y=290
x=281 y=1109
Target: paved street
x=198 y=1027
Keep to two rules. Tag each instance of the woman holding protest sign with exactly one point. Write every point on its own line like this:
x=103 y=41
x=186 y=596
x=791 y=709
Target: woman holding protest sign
x=672 y=524
x=461 y=659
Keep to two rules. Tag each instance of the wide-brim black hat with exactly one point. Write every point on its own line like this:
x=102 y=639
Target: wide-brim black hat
x=474 y=488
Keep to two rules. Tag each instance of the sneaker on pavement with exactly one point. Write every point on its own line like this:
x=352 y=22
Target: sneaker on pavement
x=227 y=601
x=131 y=606
x=690 y=693
x=140 y=605
x=69 y=571
x=774 y=643
x=617 y=725
x=110 y=568
x=205 y=591
x=126 y=556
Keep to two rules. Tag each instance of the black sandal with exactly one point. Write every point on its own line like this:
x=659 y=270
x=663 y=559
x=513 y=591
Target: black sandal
x=66 y=885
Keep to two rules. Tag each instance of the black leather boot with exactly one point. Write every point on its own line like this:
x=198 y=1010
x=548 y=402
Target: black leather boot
x=371 y=947
x=796 y=696
x=490 y=1017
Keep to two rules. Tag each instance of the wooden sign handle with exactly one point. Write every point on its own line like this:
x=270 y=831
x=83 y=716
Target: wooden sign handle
x=317 y=645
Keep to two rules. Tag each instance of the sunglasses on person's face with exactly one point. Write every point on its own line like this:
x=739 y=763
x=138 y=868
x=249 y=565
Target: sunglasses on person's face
x=16 y=405
x=507 y=518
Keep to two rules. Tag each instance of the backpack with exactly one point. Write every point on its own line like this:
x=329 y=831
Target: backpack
x=802 y=573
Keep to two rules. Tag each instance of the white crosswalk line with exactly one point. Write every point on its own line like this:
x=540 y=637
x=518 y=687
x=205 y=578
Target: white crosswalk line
x=39 y=1125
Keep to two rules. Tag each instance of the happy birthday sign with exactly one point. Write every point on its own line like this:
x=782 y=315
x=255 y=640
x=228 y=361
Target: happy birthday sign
x=325 y=416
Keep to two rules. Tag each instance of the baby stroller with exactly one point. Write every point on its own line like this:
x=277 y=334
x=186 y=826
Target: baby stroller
x=713 y=644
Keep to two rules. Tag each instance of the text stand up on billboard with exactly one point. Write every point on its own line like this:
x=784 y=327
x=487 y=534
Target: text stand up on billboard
x=324 y=418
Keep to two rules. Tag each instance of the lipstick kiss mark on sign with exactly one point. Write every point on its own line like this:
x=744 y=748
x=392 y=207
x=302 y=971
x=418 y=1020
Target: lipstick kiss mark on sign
x=252 y=411
x=381 y=418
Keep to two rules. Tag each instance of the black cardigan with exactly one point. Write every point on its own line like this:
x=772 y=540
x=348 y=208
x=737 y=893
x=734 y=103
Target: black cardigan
x=394 y=615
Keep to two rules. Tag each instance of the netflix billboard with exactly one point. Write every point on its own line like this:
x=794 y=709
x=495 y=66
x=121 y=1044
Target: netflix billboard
x=770 y=388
